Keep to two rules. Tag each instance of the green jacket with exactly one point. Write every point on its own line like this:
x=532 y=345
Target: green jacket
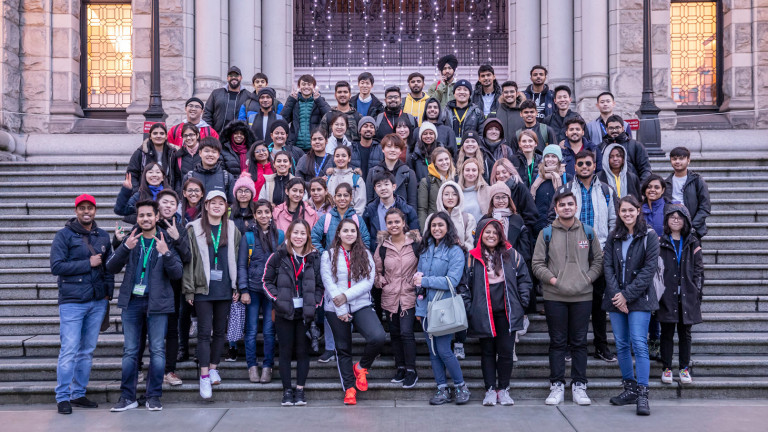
x=198 y=270
x=442 y=92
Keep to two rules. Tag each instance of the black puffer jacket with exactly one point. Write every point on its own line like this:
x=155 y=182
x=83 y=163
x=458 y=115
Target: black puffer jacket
x=526 y=206
x=637 y=157
x=637 y=283
x=216 y=178
x=228 y=155
x=280 y=284
x=696 y=200
x=405 y=179
x=218 y=104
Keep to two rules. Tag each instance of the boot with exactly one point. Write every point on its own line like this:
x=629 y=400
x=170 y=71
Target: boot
x=643 y=408
x=628 y=396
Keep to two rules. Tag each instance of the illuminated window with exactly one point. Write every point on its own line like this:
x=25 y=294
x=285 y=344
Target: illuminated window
x=693 y=30
x=108 y=54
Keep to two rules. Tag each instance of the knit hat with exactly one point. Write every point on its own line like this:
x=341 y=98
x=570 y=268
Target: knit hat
x=499 y=188
x=463 y=83
x=425 y=126
x=448 y=59
x=279 y=123
x=245 y=181
x=470 y=134
x=194 y=99
x=553 y=149
x=365 y=120
x=268 y=91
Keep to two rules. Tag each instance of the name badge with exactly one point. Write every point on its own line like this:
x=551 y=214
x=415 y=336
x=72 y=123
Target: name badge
x=139 y=289
x=298 y=302
x=217 y=275
x=458 y=141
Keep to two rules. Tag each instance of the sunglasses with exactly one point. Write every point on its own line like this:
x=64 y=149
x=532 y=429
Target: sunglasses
x=584 y=163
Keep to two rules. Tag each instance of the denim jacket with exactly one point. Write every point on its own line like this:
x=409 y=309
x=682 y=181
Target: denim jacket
x=436 y=263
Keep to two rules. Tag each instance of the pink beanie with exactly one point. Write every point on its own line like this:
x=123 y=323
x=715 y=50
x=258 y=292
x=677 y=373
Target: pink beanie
x=245 y=181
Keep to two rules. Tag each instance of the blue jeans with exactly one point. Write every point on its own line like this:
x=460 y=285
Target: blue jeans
x=259 y=302
x=632 y=331
x=79 y=332
x=442 y=358
x=134 y=317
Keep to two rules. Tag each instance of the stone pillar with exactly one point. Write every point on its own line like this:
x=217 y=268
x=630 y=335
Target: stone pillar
x=256 y=37
x=277 y=45
x=662 y=63
x=35 y=55
x=524 y=40
x=241 y=37
x=208 y=47
x=737 y=82
x=10 y=67
x=593 y=78
x=560 y=43
x=625 y=61
x=760 y=48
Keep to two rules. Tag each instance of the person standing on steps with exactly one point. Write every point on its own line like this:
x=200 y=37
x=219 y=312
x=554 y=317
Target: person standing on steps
x=78 y=253
x=567 y=260
x=156 y=149
x=211 y=172
x=539 y=93
x=689 y=188
x=146 y=298
x=348 y=271
x=415 y=101
x=304 y=109
x=442 y=90
x=223 y=105
x=631 y=260
x=653 y=205
x=365 y=102
x=193 y=108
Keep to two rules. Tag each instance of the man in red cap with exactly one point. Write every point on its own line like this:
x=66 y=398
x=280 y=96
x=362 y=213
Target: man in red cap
x=78 y=254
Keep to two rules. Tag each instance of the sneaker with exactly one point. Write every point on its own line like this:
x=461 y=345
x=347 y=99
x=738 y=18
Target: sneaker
x=141 y=400
x=299 y=399
x=153 y=404
x=361 y=380
x=140 y=377
x=205 y=388
x=442 y=396
x=504 y=398
x=579 y=394
x=193 y=328
x=605 y=355
x=83 y=402
x=411 y=377
x=462 y=394
x=526 y=324
x=231 y=355
x=666 y=376
x=556 y=394
x=458 y=351
x=253 y=374
x=287 y=397
x=172 y=379
x=215 y=377
x=64 y=407
x=490 y=397
x=350 y=397
x=124 y=405
x=685 y=376
x=266 y=375
x=327 y=356
x=399 y=376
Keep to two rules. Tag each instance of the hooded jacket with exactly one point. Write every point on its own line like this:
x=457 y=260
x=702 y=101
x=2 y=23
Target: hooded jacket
x=291 y=113
x=415 y=107
x=358 y=294
x=477 y=97
x=279 y=281
x=464 y=222
x=498 y=150
x=352 y=116
x=396 y=284
x=439 y=264
x=218 y=105
x=197 y=273
x=145 y=155
x=282 y=217
x=374 y=109
x=509 y=115
x=627 y=183
x=637 y=159
x=604 y=203
x=371 y=218
x=216 y=178
x=429 y=191
x=322 y=239
x=347 y=175
x=473 y=117
x=230 y=157
x=696 y=200
x=546 y=94
x=70 y=257
x=251 y=113
x=476 y=290
x=634 y=277
x=405 y=179
x=569 y=262
x=445 y=134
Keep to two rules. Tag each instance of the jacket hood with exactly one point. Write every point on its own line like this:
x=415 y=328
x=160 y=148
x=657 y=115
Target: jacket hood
x=545 y=89
x=146 y=146
x=235 y=126
x=620 y=138
x=219 y=165
x=520 y=98
x=440 y=114
x=383 y=236
x=607 y=156
x=459 y=190
x=489 y=121
x=75 y=226
x=680 y=208
x=477 y=252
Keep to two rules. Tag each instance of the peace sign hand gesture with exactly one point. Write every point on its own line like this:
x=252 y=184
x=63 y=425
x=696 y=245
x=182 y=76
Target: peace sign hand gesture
x=172 y=230
x=132 y=240
x=162 y=246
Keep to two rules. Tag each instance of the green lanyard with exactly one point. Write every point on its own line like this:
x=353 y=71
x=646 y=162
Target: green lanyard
x=146 y=251
x=530 y=174
x=216 y=248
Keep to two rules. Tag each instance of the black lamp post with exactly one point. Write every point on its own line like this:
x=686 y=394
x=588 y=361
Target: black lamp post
x=155 y=112
x=650 y=131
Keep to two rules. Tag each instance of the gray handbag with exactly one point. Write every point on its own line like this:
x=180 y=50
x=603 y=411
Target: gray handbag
x=446 y=315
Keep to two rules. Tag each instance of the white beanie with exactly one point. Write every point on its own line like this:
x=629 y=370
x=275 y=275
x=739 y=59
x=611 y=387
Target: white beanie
x=427 y=126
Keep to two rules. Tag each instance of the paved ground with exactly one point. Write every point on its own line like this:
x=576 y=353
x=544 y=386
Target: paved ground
x=392 y=416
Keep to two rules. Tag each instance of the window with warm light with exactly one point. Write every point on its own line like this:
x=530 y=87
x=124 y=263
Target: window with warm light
x=693 y=31
x=109 y=56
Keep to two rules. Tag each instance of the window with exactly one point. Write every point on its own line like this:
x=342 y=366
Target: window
x=694 y=37
x=108 y=60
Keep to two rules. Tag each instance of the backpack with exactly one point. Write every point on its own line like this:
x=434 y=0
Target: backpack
x=327 y=225
x=383 y=254
x=543 y=131
x=548 y=236
x=251 y=239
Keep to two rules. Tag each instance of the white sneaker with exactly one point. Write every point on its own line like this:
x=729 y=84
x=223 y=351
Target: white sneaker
x=526 y=323
x=490 y=397
x=685 y=376
x=504 y=398
x=556 y=394
x=215 y=377
x=205 y=388
x=579 y=394
x=666 y=376
x=458 y=351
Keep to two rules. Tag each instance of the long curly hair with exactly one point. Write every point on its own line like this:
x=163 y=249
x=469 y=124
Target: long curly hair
x=360 y=266
x=451 y=236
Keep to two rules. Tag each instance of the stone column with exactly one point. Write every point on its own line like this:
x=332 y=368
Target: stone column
x=593 y=79
x=662 y=63
x=208 y=47
x=560 y=43
x=65 y=101
x=35 y=56
x=277 y=45
x=760 y=48
x=524 y=39
x=241 y=37
x=737 y=82
x=10 y=68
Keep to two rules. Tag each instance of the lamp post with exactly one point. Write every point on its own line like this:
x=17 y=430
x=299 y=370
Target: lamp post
x=650 y=131
x=155 y=112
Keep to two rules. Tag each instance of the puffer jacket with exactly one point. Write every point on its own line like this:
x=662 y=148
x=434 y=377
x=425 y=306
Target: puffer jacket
x=396 y=280
x=197 y=272
x=291 y=114
x=405 y=179
x=473 y=117
x=629 y=184
x=509 y=116
x=634 y=277
x=464 y=222
x=218 y=105
x=438 y=263
x=476 y=290
x=77 y=281
x=231 y=158
x=282 y=217
x=347 y=175
x=696 y=200
x=145 y=155
x=429 y=188
x=251 y=108
x=358 y=293
x=279 y=283
x=375 y=157
x=322 y=240
x=352 y=117
x=216 y=178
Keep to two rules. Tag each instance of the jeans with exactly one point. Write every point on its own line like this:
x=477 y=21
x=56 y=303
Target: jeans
x=631 y=330
x=568 y=325
x=668 y=342
x=293 y=340
x=134 y=318
x=259 y=303
x=442 y=358
x=497 y=354
x=211 y=317
x=403 y=340
x=368 y=325
x=79 y=332
x=599 y=321
x=172 y=336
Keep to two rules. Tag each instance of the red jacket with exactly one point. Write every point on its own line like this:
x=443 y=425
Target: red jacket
x=174 y=134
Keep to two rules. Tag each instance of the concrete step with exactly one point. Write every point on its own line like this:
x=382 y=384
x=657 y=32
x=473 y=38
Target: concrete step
x=738 y=216
x=757 y=287
x=60 y=208
x=716 y=172
x=25 y=246
x=739 y=192
x=758 y=256
x=735 y=271
x=717 y=242
x=71 y=185
x=719 y=160
x=738 y=203
x=67 y=166
x=39 y=308
x=57 y=195
x=740 y=229
x=61 y=175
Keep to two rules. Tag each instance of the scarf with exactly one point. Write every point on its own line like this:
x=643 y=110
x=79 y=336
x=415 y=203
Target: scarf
x=278 y=192
x=192 y=150
x=155 y=190
x=502 y=215
x=191 y=213
x=494 y=274
x=552 y=173
x=242 y=151
x=261 y=170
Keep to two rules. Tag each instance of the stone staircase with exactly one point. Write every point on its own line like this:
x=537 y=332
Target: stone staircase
x=730 y=349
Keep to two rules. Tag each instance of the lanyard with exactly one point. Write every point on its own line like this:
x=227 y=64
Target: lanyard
x=617 y=179
x=349 y=270
x=678 y=249
x=320 y=168
x=461 y=120
x=296 y=273
x=602 y=126
x=390 y=123
x=216 y=248
x=530 y=173
x=146 y=251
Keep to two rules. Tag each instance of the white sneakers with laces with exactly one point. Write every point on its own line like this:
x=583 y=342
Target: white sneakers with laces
x=556 y=394
x=579 y=393
x=666 y=376
x=206 y=392
x=215 y=377
x=490 y=397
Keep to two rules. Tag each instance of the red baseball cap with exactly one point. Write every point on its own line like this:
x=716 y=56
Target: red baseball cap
x=86 y=198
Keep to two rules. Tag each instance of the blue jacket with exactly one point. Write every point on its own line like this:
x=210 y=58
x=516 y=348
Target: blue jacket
x=371 y=217
x=70 y=260
x=322 y=244
x=654 y=215
x=436 y=263
x=250 y=273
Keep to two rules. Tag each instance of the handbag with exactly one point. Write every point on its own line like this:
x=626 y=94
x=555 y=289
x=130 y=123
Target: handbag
x=446 y=315
x=236 y=322
x=658 y=279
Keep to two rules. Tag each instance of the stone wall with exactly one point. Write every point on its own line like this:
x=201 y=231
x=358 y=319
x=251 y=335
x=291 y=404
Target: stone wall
x=10 y=66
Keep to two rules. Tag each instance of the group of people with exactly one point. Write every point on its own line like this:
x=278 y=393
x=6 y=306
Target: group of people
x=304 y=222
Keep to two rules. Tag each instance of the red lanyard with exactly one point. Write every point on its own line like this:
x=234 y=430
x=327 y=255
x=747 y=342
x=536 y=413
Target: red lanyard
x=349 y=270
x=390 y=123
x=296 y=273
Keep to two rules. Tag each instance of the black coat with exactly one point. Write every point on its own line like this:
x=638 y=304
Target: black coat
x=405 y=179
x=230 y=158
x=375 y=109
x=386 y=123
x=524 y=203
x=696 y=200
x=637 y=157
x=218 y=104
x=688 y=276
x=519 y=236
x=183 y=162
x=280 y=284
x=558 y=123
x=371 y=218
x=216 y=178
x=374 y=158
x=637 y=285
x=182 y=243
x=250 y=271
x=145 y=155
x=473 y=117
x=521 y=165
x=305 y=167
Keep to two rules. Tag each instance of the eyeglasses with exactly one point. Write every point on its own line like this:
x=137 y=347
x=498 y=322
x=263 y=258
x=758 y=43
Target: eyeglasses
x=259 y=151
x=194 y=191
x=615 y=128
x=188 y=136
x=243 y=191
x=675 y=218
x=393 y=97
x=584 y=163
x=500 y=198
x=194 y=106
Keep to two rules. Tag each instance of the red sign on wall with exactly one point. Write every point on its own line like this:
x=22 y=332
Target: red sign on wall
x=634 y=124
x=147 y=125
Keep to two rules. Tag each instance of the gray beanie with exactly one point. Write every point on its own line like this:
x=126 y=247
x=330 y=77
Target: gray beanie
x=364 y=120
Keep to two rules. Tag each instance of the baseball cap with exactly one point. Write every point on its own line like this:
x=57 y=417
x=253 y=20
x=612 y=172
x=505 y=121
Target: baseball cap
x=215 y=193
x=86 y=198
x=234 y=69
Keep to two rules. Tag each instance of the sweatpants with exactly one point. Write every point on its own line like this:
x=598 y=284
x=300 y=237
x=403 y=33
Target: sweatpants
x=368 y=325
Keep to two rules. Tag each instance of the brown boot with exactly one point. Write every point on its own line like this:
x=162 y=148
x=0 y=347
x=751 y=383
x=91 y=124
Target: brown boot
x=266 y=375
x=253 y=374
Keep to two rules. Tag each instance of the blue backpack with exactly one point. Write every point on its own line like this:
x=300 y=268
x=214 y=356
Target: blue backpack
x=548 y=236
x=251 y=239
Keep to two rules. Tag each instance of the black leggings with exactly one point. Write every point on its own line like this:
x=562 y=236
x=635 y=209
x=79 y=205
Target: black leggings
x=211 y=314
x=497 y=354
x=186 y=312
x=292 y=339
x=403 y=340
x=668 y=342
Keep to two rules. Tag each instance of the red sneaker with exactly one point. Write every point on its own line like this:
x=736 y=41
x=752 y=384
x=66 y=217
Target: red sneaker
x=350 y=397
x=361 y=381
